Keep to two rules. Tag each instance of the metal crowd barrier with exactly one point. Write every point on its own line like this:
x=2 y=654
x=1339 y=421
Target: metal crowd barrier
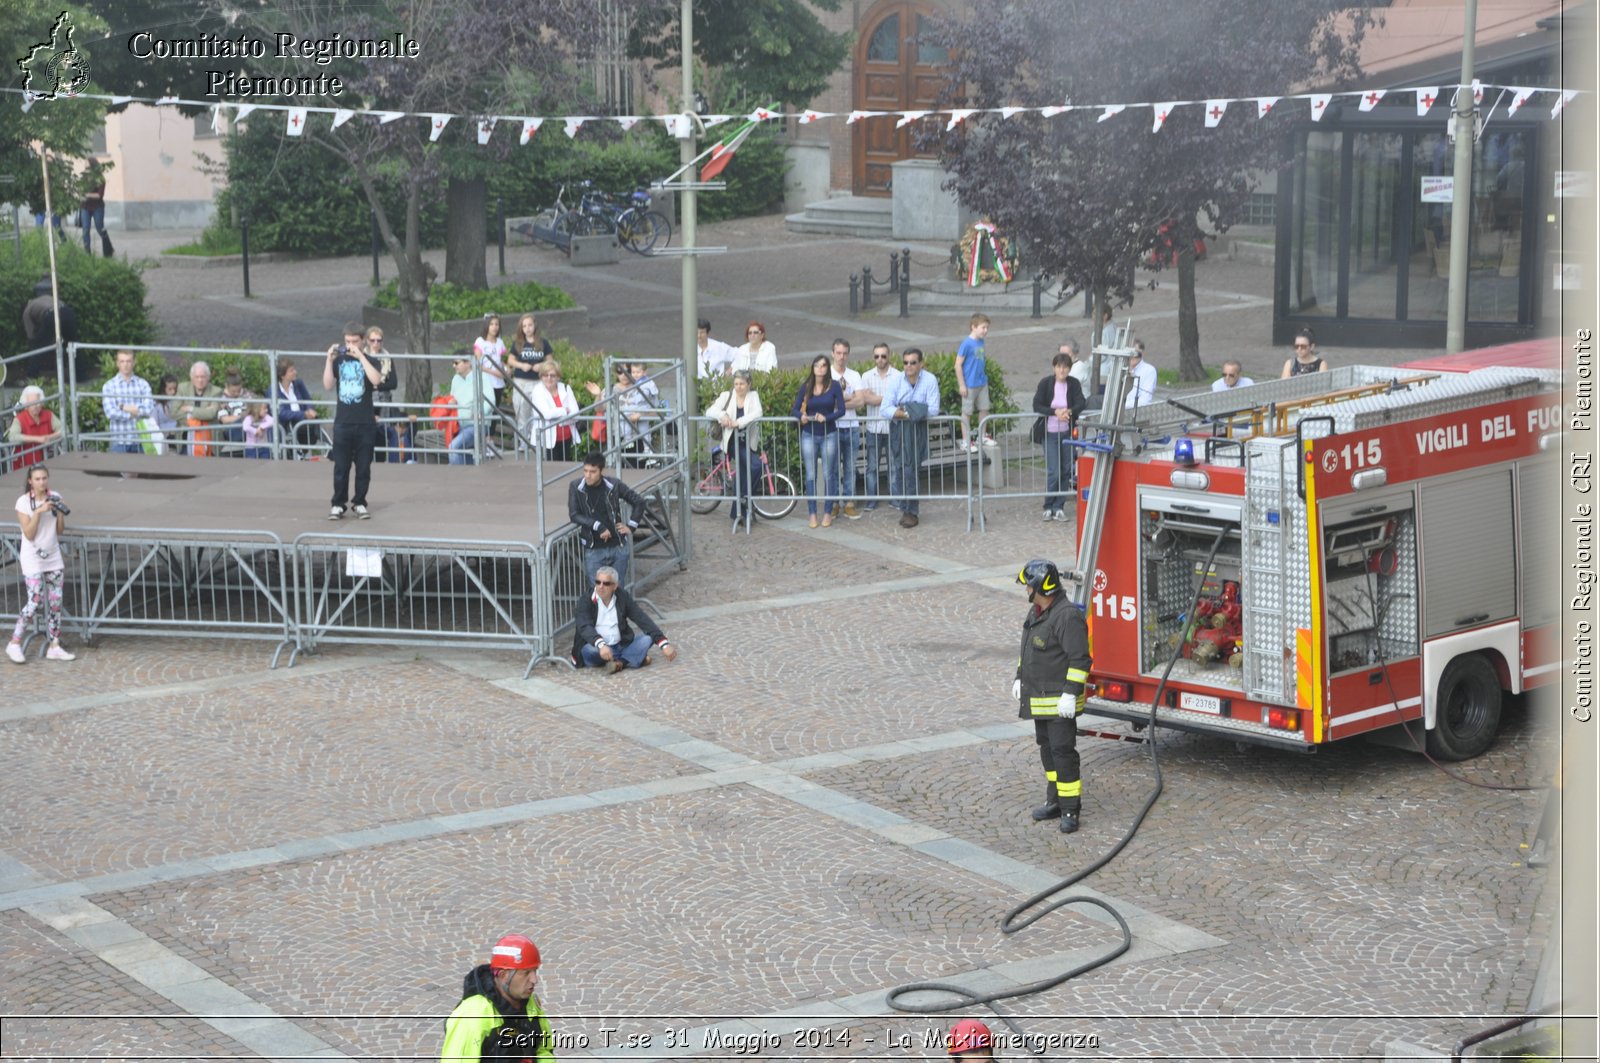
x=12 y=381
x=383 y=590
x=149 y=581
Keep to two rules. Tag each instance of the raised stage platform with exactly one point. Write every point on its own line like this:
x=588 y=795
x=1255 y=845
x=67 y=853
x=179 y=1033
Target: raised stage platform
x=466 y=555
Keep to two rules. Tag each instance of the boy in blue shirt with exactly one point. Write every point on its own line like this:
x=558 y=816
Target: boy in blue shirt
x=972 y=377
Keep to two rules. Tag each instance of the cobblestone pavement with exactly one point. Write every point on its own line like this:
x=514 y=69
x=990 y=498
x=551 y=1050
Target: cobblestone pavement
x=824 y=797
x=735 y=854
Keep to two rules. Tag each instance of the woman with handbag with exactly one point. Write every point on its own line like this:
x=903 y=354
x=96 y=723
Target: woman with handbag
x=818 y=407
x=738 y=411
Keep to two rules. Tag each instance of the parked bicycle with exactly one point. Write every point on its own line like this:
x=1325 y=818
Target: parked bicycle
x=562 y=219
x=637 y=227
x=772 y=494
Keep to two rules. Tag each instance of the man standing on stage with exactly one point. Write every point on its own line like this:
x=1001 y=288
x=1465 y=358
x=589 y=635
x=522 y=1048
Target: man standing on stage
x=352 y=375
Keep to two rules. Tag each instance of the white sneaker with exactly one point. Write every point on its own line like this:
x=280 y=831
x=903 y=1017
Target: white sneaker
x=969 y=448
x=988 y=441
x=336 y=512
x=1061 y=515
x=56 y=653
x=1049 y=515
x=361 y=513
x=14 y=651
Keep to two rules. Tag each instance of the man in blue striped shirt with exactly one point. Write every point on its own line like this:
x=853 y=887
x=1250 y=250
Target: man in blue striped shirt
x=125 y=399
x=911 y=401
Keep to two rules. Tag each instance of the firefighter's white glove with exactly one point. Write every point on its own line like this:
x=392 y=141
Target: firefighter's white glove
x=1016 y=690
x=1067 y=707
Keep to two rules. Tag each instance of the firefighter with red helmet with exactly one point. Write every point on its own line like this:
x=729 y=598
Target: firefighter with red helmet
x=1051 y=673
x=969 y=1040
x=499 y=1016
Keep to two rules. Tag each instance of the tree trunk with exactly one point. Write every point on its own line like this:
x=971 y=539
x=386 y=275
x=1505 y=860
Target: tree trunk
x=1189 y=367
x=465 y=241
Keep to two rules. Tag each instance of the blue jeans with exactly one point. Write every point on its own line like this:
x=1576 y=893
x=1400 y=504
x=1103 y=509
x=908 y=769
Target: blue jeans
x=877 y=452
x=908 y=446
x=633 y=653
x=461 y=446
x=95 y=218
x=849 y=447
x=126 y=448
x=827 y=447
x=1058 y=466
x=595 y=557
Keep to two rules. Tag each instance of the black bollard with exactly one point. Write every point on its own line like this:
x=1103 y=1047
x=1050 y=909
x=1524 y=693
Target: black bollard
x=894 y=271
x=905 y=282
x=377 y=245
x=866 y=287
x=500 y=225
x=244 y=248
x=855 y=294
x=1038 y=296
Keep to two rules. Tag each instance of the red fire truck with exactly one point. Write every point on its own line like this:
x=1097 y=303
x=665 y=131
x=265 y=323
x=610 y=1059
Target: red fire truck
x=1371 y=545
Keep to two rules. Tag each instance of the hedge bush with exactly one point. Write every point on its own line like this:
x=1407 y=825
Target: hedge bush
x=452 y=302
x=107 y=294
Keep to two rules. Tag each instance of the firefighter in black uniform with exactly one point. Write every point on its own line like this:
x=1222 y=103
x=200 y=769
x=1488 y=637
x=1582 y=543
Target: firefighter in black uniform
x=1051 y=673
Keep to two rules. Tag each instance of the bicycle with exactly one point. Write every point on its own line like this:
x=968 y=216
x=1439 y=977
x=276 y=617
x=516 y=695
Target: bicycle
x=773 y=495
x=637 y=227
x=563 y=219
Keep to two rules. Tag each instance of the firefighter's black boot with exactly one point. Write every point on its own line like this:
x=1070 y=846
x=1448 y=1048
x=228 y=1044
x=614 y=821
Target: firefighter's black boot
x=1069 y=822
x=1051 y=807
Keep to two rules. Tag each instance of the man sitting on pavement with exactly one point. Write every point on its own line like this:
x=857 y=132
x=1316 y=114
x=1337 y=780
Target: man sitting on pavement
x=605 y=635
x=594 y=504
x=125 y=399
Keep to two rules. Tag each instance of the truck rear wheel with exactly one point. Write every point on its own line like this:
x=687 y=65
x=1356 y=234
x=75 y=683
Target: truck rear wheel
x=1468 y=715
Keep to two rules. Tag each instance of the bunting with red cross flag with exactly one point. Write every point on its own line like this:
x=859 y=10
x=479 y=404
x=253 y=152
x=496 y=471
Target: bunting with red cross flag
x=1426 y=98
x=1215 y=109
x=297 y=121
x=1371 y=97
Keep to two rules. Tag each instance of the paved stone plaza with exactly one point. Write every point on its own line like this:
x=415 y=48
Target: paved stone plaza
x=824 y=797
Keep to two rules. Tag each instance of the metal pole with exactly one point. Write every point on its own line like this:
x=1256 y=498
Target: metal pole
x=855 y=294
x=500 y=227
x=16 y=228
x=55 y=291
x=244 y=247
x=689 y=276
x=866 y=287
x=1038 y=297
x=905 y=282
x=894 y=271
x=1466 y=115
x=377 y=244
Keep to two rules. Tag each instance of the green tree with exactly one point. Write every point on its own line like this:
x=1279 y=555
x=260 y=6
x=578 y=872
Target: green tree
x=1089 y=199
x=477 y=56
x=60 y=127
x=761 y=50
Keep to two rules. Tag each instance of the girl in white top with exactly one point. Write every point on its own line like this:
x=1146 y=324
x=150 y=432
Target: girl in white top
x=491 y=352
x=739 y=408
x=39 y=557
x=757 y=354
x=556 y=410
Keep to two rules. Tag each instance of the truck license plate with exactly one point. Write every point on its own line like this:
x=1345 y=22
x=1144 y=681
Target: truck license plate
x=1200 y=703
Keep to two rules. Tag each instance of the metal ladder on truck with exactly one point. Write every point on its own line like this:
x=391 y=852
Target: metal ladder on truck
x=1104 y=454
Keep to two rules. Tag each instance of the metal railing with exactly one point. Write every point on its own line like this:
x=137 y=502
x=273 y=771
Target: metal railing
x=150 y=581
x=947 y=473
x=13 y=454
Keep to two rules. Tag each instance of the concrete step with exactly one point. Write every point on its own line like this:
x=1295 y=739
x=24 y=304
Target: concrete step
x=807 y=223
x=845 y=216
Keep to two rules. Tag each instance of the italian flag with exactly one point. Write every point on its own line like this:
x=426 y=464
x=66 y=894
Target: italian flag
x=722 y=154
